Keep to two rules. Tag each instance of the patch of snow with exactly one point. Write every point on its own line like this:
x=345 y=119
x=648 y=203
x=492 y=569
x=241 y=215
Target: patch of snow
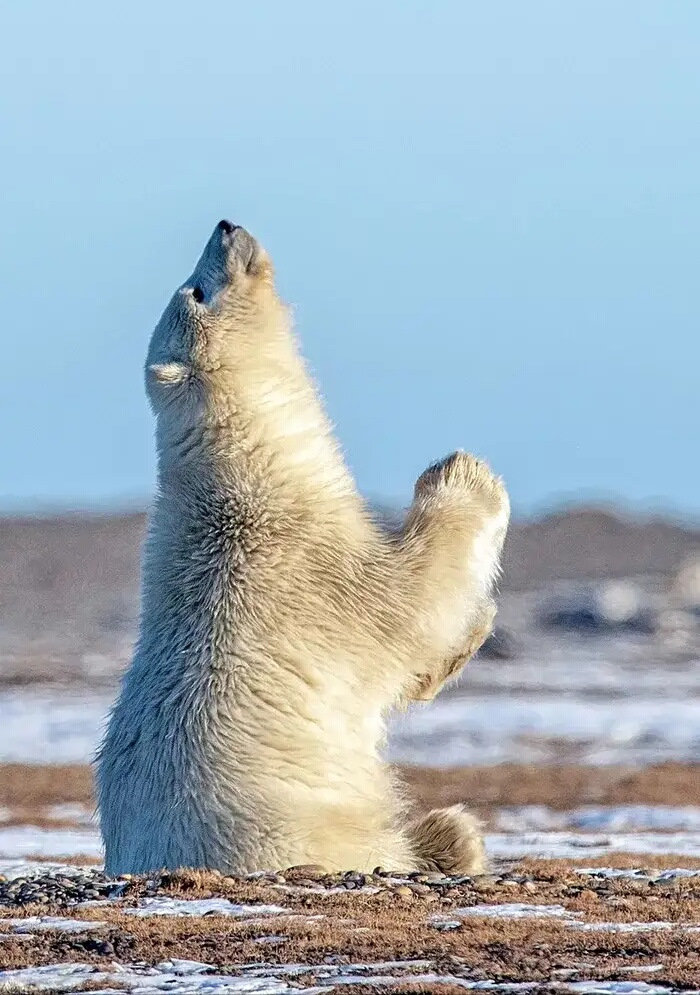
x=632 y=927
x=51 y=728
x=570 y=846
x=40 y=924
x=71 y=811
x=201 y=907
x=484 y=729
x=191 y=977
x=330 y=970
x=517 y=910
x=11 y=869
x=619 y=988
x=21 y=841
x=185 y=977
x=183 y=966
x=475 y=728
x=426 y=979
x=642 y=874
x=172 y=978
x=601 y=818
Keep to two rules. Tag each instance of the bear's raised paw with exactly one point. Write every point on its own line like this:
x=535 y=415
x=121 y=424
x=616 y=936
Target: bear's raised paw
x=463 y=472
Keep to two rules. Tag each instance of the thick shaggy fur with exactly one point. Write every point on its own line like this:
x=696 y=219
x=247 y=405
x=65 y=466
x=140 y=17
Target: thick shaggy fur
x=279 y=623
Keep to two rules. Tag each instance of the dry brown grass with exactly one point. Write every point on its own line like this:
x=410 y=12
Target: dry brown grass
x=30 y=789
x=629 y=861
x=559 y=786
x=33 y=786
x=357 y=927
x=368 y=928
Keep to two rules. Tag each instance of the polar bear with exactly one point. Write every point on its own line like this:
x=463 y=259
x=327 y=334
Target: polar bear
x=279 y=622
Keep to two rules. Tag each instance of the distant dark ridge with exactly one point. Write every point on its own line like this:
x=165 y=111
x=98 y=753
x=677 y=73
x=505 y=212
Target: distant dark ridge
x=587 y=543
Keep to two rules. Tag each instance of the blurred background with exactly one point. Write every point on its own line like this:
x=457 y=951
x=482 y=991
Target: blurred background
x=487 y=219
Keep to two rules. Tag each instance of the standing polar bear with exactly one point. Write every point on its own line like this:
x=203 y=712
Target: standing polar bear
x=279 y=623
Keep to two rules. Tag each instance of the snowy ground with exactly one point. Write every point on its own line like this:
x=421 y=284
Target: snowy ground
x=591 y=702
x=528 y=831
x=616 y=721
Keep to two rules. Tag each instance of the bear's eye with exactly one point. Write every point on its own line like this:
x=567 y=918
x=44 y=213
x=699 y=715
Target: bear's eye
x=198 y=294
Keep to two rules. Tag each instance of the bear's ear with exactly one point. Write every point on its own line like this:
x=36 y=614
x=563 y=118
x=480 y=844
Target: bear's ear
x=168 y=374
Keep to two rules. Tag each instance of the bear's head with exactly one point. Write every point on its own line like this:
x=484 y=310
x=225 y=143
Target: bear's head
x=222 y=319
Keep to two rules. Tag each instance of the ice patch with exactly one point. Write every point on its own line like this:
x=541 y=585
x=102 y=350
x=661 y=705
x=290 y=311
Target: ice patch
x=202 y=907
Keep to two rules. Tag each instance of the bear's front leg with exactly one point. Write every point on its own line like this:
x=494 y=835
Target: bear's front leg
x=428 y=684
x=453 y=538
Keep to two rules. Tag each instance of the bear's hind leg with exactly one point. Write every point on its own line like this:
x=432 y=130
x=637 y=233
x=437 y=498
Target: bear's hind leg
x=448 y=840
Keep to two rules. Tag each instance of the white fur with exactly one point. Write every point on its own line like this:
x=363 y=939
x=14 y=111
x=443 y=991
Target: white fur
x=279 y=625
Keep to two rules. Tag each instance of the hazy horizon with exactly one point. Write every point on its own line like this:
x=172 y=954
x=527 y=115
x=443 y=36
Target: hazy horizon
x=486 y=217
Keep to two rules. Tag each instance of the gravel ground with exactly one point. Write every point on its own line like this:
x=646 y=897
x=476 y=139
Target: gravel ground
x=536 y=923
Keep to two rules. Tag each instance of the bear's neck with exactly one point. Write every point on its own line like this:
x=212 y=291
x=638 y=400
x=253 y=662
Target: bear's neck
x=266 y=434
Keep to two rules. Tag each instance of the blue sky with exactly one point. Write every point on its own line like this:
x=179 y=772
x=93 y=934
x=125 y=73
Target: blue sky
x=487 y=217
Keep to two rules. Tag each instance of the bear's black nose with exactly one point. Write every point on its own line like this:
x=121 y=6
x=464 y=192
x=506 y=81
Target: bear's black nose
x=226 y=226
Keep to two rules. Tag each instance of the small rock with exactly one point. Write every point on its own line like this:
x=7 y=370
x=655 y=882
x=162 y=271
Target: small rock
x=103 y=947
x=419 y=889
